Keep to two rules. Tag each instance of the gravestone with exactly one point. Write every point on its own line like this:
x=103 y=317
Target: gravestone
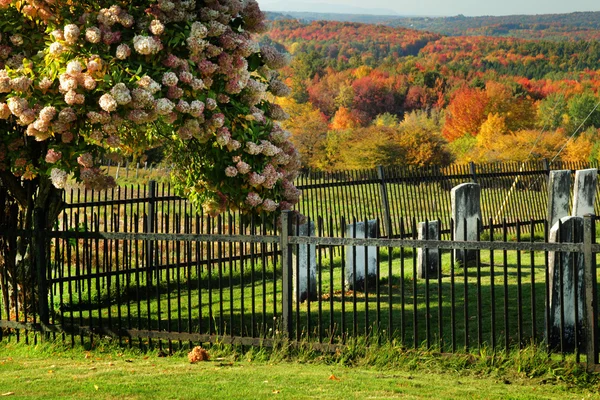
x=584 y=192
x=366 y=257
x=428 y=260
x=564 y=269
x=466 y=208
x=305 y=266
x=559 y=194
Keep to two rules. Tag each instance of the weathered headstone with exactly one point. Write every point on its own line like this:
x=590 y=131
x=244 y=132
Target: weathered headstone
x=584 y=193
x=305 y=266
x=428 y=260
x=559 y=194
x=361 y=260
x=466 y=208
x=564 y=268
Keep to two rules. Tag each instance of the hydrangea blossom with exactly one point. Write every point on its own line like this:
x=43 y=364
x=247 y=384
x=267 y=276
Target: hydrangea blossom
x=185 y=75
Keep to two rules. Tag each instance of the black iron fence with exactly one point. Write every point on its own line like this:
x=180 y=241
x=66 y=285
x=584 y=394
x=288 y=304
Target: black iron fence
x=213 y=281
x=510 y=191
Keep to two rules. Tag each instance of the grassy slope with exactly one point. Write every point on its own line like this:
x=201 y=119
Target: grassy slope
x=54 y=372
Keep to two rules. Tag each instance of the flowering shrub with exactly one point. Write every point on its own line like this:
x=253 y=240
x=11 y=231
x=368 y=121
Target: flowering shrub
x=81 y=80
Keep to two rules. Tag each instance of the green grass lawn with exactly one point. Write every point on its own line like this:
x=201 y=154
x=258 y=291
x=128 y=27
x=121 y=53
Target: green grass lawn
x=53 y=372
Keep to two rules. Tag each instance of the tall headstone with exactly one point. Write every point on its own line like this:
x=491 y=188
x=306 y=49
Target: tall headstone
x=466 y=208
x=584 y=192
x=305 y=266
x=361 y=261
x=559 y=194
x=564 y=269
x=428 y=262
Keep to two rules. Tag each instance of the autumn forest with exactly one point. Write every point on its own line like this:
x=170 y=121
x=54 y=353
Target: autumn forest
x=381 y=94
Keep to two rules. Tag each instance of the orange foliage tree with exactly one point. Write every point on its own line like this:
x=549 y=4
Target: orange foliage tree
x=465 y=113
x=345 y=119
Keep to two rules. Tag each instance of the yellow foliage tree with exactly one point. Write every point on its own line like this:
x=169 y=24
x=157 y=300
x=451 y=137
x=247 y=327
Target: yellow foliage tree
x=519 y=146
x=494 y=126
x=518 y=112
x=308 y=127
x=584 y=147
x=420 y=138
x=362 y=71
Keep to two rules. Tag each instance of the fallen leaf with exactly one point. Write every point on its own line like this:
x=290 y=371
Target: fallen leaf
x=110 y=364
x=96 y=387
x=332 y=377
x=50 y=372
x=7 y=394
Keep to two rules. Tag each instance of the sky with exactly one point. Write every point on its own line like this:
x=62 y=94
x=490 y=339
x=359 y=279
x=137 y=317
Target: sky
x=434 y=7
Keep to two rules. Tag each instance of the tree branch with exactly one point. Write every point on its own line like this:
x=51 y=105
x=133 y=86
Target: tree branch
x=14 y=187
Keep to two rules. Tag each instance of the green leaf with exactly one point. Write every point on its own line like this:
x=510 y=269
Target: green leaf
x=254 y=62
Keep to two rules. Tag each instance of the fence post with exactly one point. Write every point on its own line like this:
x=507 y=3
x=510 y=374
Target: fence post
x=385 y=201
x=547 y=166
x=591 y=294
x=39 y=226
x=286 y=265
x=472 y=171
x=150 y=227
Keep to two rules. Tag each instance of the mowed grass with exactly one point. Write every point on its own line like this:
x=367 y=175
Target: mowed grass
x=55 y=372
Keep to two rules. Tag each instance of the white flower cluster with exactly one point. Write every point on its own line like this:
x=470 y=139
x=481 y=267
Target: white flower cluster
x=121 y=94
x=107 y=102
x=123 y=51
x=147 y=45
x=156 y=27
x=58 y=178
x=93 y=34
x=71 y=33
x=164 y=106
x=113 y=15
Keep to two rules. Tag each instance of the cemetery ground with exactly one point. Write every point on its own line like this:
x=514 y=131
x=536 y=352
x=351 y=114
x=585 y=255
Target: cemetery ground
x=53 y=370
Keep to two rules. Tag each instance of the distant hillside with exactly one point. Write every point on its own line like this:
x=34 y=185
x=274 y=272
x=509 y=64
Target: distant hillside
x=314 y=16
x=349 y=43
x=343 y=45
x=311 y=7
x=573 y=26
x=580 y=25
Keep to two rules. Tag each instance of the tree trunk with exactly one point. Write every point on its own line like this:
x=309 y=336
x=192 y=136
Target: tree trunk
x=28 y=210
